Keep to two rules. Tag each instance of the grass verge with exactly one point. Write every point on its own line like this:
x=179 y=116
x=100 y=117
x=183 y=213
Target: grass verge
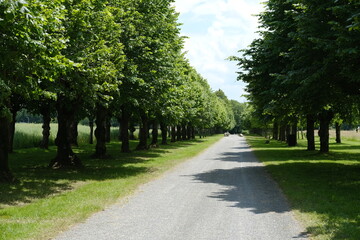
x=323 y=189
x=47 y=202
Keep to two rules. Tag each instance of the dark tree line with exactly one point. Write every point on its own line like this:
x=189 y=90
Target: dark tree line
x=100 y=59
x=304 y=66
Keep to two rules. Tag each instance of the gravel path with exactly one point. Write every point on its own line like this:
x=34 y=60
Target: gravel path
x=224 y=193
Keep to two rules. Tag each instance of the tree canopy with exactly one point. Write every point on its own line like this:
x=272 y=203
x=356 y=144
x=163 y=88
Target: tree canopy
x=101 y=59
x=303 y=64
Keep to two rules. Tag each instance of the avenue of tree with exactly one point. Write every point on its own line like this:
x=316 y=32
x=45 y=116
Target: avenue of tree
x=101 y=59
x=305 y=67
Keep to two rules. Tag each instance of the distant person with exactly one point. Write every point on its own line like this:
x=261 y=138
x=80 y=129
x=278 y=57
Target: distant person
x=357 y=129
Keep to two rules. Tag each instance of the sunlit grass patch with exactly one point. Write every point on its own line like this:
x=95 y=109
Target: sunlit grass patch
x=324 y=189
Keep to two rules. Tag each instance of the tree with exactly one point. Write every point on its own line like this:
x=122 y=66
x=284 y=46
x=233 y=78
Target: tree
x=26 y=33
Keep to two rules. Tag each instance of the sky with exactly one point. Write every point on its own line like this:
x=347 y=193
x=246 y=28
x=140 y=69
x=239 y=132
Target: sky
x=217 y=29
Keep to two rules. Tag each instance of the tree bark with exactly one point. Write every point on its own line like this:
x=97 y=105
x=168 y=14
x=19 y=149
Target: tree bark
x=144 y=132
x=188 y=132
x=310 y=128
x=132 y=129
x=325 y=118
x=338 y=132
x=183 y=132
x=287 y=133
x=292 y=137
x=178 y=132
x=91 y=125
x=15 y=106
x=124 y=130
x=155 y=133
x=276 y=130
x=65 y=156
x=45 y=112
x=173 y=134
x=164 y=133
x=73 y=132
x=12 y=130
x=100 y=132
x=282 y=133
x=5 y=174
x=108 y=129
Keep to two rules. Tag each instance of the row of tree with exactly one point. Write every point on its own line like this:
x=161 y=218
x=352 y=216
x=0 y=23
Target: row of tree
x=305 y=65
x=100 y=59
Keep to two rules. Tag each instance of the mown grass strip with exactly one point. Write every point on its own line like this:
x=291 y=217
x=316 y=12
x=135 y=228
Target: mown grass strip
x=47 y=202
x=323 y=189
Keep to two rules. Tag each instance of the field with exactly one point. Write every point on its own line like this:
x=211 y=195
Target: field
x=323 y=189
x=28 y=135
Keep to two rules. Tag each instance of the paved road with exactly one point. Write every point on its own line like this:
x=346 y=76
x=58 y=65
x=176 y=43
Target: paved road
x=224 y=193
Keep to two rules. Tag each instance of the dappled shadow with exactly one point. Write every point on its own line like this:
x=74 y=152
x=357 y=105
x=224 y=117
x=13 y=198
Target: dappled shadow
x=246 y=187
x=37 y=181
x=242 y=156
x=41 y=182
x=336 y=184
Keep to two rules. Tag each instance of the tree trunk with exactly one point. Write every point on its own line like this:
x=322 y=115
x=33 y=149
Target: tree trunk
x=15 y=106
x=143 y=134
x=282 y=133
x=169 y=131
x=45 y=112
x=91 y=125
x=164 y=132
x=65 y=156
x=325 y=118
x=173 y=134
x=192 y=132
x=178 y=133
x=5 y=174
x=276 y=130
x=100 y=132
x=73 y=132
x=287 y=133
x=124 y=130
x=188 y=132
x=108 y=129
x=292 y=137
x=155 y=134
x=132 y=129
x=310 y=136
x=183 y=132
x=338 y=132
x=12 y=130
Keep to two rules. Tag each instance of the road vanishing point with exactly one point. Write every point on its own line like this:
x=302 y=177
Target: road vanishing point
x=224 y=193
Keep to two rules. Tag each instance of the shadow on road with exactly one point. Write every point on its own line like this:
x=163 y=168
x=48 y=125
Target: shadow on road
x=247 y=188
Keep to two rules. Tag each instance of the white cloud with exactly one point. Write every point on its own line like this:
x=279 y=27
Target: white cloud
x=230 y=26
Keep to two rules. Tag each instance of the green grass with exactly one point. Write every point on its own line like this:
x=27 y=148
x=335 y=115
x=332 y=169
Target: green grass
x=46 y=202
x=323 y=189
x=28 y=135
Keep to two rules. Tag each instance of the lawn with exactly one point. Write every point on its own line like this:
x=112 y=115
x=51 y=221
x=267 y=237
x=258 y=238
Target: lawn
x=323 y=189
x=46 y=201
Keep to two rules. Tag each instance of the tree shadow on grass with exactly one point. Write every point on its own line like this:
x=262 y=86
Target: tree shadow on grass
x=41 y=182
x=328 y=189
x=37 y=181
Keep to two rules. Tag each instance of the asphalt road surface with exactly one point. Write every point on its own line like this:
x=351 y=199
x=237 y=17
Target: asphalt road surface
x=223 y=193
